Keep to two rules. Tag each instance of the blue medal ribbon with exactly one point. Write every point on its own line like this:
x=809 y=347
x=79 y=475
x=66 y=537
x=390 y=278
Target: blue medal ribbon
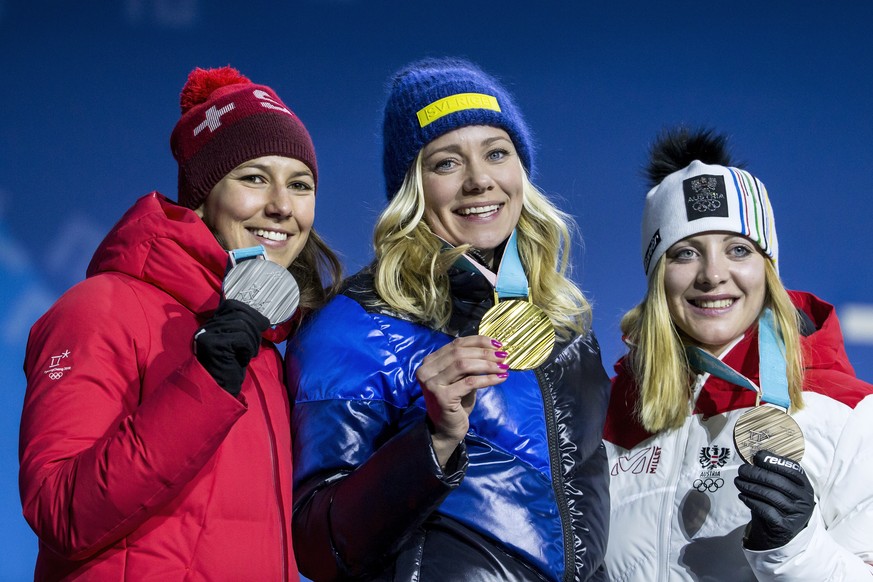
x=772 y=372
x=511 y=279
x=239 y=255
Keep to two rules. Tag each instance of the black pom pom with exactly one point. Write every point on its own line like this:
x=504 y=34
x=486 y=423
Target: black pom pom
x=676 y=148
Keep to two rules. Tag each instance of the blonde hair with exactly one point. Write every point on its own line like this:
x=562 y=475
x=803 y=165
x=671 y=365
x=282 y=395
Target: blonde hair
x=657 y=360
x=411 y=263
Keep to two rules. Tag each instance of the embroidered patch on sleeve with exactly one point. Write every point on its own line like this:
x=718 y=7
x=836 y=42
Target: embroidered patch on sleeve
x=56 y=367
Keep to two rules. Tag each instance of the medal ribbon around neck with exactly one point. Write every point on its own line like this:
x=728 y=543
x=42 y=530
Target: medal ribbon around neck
x=524 y=329
x=763 y=427
x=261 y=284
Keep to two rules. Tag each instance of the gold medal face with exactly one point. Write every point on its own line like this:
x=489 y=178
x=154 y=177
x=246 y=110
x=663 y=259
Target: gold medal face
x=766 y=427
x=524 y=330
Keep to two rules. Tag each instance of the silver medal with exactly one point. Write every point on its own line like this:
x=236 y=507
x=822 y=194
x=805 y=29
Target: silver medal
x=264 y=286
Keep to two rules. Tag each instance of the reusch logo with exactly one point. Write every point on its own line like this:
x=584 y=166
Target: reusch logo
x=783 y=462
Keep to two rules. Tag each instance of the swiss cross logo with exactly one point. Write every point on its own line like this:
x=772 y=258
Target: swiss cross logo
x=213 y=118
x=213 y=115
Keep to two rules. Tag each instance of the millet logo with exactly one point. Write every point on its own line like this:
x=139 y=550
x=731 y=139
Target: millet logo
x=644 y=461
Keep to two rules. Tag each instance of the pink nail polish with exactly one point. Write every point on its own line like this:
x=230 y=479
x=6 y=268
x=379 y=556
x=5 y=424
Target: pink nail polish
x=501 y=354
x=503 y=375
x=496 y=343
x=503 y=366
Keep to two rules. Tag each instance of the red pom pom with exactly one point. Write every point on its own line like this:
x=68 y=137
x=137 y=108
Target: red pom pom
x=202 y=82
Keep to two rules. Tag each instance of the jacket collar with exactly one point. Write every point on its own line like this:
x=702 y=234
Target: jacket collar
x=828 y=372
x=170 y=247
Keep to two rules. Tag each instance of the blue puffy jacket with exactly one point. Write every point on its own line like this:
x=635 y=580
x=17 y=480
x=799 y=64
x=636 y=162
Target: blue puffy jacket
x=524 y=498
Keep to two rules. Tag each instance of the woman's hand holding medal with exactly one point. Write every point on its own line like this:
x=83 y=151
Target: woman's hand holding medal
x=450 y=378
x=771 y=482
x=780 y=496
x=261 y=284
x=257 y=293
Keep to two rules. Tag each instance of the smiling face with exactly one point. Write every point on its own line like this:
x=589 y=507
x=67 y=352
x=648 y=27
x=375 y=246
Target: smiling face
x=267 y=201
x=716 y=286
x=473 y=186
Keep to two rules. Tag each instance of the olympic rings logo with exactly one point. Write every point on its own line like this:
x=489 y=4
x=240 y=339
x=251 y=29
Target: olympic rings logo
x=56 y=375
x=705 y=204
x=711 y=485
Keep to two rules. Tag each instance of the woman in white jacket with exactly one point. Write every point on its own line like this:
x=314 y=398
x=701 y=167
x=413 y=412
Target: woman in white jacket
x=738 y=435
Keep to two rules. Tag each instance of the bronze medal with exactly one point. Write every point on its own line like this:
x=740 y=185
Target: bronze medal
x=770 y=428
x=524 y=330
x=264 y=286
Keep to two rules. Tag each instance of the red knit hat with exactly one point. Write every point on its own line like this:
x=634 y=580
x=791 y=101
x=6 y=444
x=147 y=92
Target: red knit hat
x=227 y=120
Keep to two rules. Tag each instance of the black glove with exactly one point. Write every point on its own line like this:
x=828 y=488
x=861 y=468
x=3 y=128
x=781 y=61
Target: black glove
x=780 y=496
x=228 y=341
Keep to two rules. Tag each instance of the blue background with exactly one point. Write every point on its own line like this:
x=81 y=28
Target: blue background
x=90 y=95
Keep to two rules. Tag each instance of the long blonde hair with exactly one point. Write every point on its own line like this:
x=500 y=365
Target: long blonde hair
x=657 y=358
x=411 y=264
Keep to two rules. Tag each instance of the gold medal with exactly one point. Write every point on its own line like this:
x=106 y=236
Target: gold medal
x=770 y=428
x=524 y=330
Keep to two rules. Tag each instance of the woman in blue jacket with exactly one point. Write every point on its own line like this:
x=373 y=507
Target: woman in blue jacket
x=449 y=404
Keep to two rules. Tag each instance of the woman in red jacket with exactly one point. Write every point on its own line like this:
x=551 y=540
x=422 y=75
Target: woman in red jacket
x=155 y=439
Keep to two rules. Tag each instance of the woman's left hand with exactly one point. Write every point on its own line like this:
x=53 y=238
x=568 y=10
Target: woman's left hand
x=450 y=378
x=780 y=496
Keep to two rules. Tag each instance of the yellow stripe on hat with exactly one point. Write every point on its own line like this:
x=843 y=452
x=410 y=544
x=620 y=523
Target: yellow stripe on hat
x=458 y=102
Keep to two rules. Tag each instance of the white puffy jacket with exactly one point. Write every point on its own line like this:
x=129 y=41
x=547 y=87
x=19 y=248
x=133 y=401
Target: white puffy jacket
x=675 y=512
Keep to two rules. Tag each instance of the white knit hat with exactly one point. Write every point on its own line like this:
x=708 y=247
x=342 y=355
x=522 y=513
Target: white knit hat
x=704 y=198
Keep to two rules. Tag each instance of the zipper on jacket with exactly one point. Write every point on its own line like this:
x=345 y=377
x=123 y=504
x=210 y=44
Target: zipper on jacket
x=666 y=542
x=277 y=486
x=558 y=478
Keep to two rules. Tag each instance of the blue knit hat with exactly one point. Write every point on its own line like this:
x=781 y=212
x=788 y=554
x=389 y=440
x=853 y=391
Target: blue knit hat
x=431 y=97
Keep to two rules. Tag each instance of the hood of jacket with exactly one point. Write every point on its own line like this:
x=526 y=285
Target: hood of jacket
x=170 y=247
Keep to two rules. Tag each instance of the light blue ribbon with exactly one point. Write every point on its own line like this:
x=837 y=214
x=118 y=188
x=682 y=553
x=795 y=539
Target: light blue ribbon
x=511 y=279
x=239 y=255
x=772 y=372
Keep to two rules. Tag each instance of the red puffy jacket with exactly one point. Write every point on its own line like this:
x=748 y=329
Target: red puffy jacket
x=135 y=464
